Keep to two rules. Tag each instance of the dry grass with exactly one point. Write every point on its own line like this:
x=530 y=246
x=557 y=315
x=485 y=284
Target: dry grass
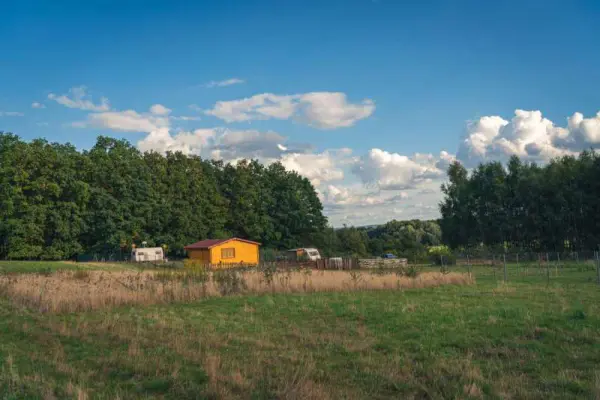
x=72 y=291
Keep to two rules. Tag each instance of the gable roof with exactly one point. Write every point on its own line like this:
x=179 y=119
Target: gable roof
x=208 y=243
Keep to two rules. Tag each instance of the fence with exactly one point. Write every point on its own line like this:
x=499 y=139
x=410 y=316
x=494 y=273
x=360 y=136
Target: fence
x=581 y=266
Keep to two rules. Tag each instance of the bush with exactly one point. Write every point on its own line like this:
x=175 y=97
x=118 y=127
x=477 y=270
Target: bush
x=229 y=281
x=441 y=255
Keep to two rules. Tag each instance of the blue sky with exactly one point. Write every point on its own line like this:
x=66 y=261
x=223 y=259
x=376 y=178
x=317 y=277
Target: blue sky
x=399 y=77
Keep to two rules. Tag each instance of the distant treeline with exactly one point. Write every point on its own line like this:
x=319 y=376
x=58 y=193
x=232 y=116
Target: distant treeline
x=410 y=239
x=524 y=206
x=57 y=202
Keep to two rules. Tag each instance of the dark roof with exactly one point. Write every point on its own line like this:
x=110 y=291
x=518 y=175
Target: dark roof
x=208 y=243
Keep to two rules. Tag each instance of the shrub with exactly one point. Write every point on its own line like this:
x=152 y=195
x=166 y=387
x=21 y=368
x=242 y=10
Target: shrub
x=441 y=255
x=229 y=281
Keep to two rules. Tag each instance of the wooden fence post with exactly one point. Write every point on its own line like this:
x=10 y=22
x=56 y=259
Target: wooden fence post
x=597 y=266
x=469 y=266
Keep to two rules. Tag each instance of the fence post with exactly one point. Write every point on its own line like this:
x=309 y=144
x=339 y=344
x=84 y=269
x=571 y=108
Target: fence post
x=597 y=266
x=518 y=267
x=469 y=266
x=547 y=269
x=505 y=272
x=558 y=259
x=539 y=263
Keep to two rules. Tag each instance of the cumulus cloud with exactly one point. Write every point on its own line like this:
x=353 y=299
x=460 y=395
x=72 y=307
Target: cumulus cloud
x=78 y=98
x=125 y=121
x=185 y=118
x=225 y=82
x=35 y=104
x=159 y=109
x=581 y=133
x=11 y=114
x=317 y=167
x=528 y=135
x=193 y=142
x=393 y=171
x=334 y=196
x=323 y=110
x=238 y=144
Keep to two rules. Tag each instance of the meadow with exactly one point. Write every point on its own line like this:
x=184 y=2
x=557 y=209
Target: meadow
x=531 y=337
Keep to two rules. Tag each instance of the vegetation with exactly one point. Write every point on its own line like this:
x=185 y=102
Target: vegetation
x=409 y=239
x=524 y=206
x=523 y=339
x=82 y=290
x=56 y=202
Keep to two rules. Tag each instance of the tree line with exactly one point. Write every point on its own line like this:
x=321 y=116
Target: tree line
x=409 y=239
x=524 y=206
x=57 y=202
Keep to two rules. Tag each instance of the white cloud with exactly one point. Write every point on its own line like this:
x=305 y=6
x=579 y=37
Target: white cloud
x=35 y=104
x=528 y=135
x=393 y=171
x=80 y=99
x=356 y=205
x=335 y=196
x=159 y=109
x=11 y=114
x=225 y=82
x=238 y=144
x=317 y=167
x=162 y=141
x=327 y=110
x=581 y=133
x=185 y=118
x=42 y=124
x=125 y=121
x=129 y=120
x=324 y=110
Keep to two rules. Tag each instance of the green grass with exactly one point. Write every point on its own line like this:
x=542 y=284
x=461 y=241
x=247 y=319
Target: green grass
x=524 y=339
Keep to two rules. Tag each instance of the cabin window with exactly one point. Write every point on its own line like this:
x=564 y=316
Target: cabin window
x=228 y=253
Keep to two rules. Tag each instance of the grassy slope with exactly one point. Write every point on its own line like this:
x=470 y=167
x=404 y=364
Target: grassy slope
x=522 y=339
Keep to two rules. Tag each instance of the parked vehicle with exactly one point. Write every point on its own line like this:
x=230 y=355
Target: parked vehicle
x=388 y=255
x=308 y=253
x=147 y=254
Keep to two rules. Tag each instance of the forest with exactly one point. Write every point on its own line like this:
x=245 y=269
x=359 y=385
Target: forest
x=524 y=206
x=57 y=202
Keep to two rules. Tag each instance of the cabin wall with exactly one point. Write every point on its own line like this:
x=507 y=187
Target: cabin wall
x=244 y=253
x=202 y=255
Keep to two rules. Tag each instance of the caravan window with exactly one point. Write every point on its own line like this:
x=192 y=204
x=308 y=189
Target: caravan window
x=313 y=253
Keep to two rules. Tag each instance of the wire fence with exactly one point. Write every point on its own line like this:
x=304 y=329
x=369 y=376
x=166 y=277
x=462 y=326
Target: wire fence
x=581 y=266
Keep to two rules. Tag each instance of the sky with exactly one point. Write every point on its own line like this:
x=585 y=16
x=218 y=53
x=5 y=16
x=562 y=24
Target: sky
x=371 y=100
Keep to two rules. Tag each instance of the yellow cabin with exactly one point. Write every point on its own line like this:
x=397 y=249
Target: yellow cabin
x=217 y=252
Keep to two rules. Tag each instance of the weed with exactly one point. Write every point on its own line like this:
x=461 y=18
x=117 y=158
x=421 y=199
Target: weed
x=229 y=281
x=81 y=274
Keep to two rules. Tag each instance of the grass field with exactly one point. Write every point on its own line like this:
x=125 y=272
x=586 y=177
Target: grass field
x=528 y=338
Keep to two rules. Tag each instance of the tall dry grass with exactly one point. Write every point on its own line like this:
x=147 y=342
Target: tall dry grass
x=72 y=291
